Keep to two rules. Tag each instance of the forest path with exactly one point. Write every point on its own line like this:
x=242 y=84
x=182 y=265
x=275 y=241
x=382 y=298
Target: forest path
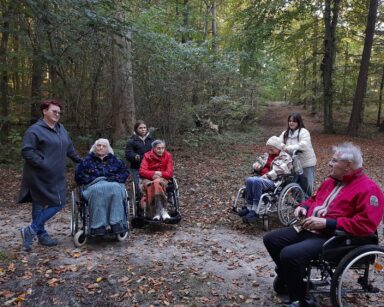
x=211 y=258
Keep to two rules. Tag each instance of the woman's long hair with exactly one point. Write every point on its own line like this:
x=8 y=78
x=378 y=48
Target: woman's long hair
x=296 y=116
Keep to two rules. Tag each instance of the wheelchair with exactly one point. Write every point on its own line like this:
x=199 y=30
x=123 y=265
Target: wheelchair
x=282 y=199
x=80 y=219
x=139 y=216
x=350 y=269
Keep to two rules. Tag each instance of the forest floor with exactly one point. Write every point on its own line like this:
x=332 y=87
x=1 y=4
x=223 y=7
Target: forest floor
x=210 y=259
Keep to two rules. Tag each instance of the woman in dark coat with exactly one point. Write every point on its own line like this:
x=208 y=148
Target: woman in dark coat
x=103 y=176
x=137 y=146
x=45 y=146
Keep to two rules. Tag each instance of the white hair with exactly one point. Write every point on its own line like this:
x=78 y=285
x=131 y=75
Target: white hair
x=104 y=142
x=349 y=152
x=157 y=142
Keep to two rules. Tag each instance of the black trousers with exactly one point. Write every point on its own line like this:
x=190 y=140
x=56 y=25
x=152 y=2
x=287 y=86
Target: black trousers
x=292 y=251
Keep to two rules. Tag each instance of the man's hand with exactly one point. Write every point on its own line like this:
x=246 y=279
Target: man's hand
x=314 y=223
x=300 y=213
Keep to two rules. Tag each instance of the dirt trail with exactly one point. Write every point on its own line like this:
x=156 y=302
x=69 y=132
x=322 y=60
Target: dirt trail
x=211 y=258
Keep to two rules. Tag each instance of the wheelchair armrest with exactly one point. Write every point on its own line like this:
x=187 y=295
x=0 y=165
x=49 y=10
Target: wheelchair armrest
x=343 y=242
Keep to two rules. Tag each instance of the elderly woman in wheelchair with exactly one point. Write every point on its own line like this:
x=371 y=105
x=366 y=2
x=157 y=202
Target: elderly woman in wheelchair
x=273 y=163
x=101 y=177
x=350 y=201
x=156 y=172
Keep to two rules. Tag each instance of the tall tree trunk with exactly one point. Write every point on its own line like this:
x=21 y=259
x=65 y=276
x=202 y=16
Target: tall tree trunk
x=361 y=87
x=378 y=122
x=330 y=21
x=124 y=102
x=214 y=27
x=184 y=34
x=4 y=124
x=313 y=100
x=345 y=76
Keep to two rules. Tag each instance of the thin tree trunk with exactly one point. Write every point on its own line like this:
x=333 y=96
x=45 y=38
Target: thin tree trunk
x=361 y=87
x=184 y=34
x=4 y=127
x=330 y=21
x=214 y=27
x=313 y=101
x=378 y=123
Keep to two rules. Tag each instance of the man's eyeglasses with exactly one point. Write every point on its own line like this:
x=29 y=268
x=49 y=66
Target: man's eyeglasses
x=333 y=160
x=57 y=112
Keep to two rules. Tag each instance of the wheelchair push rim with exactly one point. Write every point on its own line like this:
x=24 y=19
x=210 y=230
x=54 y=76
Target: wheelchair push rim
x=290 y=197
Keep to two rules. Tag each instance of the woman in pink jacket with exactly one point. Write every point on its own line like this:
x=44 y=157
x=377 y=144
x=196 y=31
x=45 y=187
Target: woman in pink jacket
x=156 y=170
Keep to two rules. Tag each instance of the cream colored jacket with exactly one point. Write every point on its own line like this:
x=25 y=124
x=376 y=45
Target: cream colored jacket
x=281 y=165
x=307 y=155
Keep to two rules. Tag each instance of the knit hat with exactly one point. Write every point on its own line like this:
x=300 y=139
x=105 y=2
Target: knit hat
x=275 y=142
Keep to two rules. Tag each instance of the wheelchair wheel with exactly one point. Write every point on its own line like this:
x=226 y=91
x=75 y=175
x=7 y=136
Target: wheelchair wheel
x=290 y=197
x=122 y=236
x=80 y=238
x=359 y=278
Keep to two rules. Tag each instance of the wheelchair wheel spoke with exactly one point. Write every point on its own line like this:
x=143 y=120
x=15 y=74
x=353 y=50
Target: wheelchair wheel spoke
x=290 y=197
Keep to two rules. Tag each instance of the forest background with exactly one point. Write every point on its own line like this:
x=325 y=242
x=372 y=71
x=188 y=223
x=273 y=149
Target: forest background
x=185 y=66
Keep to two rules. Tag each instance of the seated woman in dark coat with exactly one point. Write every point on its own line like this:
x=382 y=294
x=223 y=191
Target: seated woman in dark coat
x=103 y=177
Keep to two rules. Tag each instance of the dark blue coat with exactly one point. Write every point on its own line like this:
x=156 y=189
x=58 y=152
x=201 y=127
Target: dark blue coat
x=93 y=167
x=136 y=146
x=44 y=175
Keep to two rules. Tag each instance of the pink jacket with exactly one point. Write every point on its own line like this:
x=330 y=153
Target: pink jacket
x=357 y=209
x=152 y=163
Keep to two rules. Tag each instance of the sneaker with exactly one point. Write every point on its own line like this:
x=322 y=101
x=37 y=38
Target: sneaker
x=156 y=217
x=100 y=231
x=252 y=216
x=164 y=215
x=243 y=211
x=293 y=304
x=46 y=240
x=27 y=235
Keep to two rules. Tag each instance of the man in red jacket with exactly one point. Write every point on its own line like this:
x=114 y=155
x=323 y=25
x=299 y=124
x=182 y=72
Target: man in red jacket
x=349 y=200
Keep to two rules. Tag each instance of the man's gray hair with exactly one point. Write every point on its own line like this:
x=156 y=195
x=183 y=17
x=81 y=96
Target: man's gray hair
x=349 y=152
x=157 y=142
x=104 y=142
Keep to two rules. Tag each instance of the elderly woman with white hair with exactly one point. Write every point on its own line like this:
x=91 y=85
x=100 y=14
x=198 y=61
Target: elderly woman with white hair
x=269 y=165
x=103 y=176
x=156 y=170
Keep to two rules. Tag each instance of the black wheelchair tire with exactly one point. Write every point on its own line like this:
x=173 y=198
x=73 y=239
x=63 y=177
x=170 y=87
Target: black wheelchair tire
x=346 y=263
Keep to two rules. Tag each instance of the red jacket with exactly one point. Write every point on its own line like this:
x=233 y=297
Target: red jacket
x=357 y=209
x=152 y=163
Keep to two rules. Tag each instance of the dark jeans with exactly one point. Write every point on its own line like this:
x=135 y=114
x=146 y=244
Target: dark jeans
x=292 y=251
x=41 y=214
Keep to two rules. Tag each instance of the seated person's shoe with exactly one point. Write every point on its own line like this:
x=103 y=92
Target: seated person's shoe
x=293 y=304
x=279 y=286
x=100 y=231
x=118 y=228
x=243 y=211
x=164 y=215
x=46 y=240
x=156 y=217
x=252 y=216
x=27 y=235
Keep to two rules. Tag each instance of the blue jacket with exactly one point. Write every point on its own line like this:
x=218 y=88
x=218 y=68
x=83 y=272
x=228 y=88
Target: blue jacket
x=44 y=175
x=93 y=167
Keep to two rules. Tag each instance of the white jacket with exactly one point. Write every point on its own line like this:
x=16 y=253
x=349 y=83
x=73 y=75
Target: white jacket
x=302 y=143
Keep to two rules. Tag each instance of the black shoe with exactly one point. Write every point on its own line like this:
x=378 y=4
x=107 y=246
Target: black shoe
x=100 y=231
x=279 y=286
x=46 y=240
x=243 y=211
x=252 y=216
x=118 y=228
